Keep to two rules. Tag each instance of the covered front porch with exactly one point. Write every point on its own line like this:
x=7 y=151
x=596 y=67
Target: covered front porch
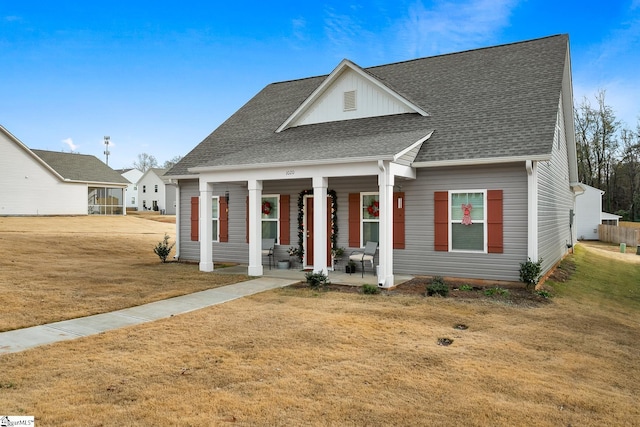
x=315 y=183
x=338 y=276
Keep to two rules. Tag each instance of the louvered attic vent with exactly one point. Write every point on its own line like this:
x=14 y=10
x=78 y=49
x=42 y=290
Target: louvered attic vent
x=349 y=100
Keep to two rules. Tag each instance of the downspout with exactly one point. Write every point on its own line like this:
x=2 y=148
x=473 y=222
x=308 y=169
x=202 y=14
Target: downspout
x=532 y=209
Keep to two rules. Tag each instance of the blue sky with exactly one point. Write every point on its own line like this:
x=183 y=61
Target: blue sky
x=159 y=76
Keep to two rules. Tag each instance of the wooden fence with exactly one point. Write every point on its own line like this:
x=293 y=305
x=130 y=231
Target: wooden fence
x=617 y=235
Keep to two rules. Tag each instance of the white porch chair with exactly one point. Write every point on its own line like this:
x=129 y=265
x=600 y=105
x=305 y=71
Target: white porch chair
x=367 y=255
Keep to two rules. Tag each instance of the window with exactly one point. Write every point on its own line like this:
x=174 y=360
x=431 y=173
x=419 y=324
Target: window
x=155 y=188
x=133 y=200
x=370 y=208
x=144 y=188
x=468 y=220
x=215 y=218
x=270 y=217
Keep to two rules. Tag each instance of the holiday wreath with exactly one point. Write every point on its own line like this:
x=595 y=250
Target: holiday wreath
x=374 y=208
x=266 y=208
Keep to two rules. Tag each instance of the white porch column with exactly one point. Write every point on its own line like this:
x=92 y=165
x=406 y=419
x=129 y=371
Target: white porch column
x=178 y=220
x=255 y=228
x=320 y=224
x=205 y=228
x=386 y=181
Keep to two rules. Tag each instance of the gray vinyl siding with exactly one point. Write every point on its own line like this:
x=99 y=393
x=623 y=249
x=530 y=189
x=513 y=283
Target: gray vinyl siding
x=189 y=250
x=419 y=256
x=342 y=187
x=555 y=200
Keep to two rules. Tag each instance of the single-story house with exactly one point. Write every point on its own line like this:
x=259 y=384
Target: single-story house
x=156 y=192
x=40 y=182
x=458 y=165
x=589 y=214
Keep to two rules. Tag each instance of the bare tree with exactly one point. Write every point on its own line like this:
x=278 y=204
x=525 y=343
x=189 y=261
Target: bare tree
x=145 y=161
x=168 y=164
x=597 y=143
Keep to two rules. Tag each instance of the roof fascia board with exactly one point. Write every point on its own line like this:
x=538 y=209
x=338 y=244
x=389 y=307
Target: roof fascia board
x=200 y=169
x=31 y=153
x=416 y=144
x=342 y=66
x=484 y=161
x=97 y=183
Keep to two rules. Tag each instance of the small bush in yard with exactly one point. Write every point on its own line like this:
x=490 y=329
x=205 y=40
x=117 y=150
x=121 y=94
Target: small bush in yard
x=544 y=293
x=496 y=291
x=530 y=272
x=437 y=287
x=370 y=289
x=317 y=280
x=163 y=249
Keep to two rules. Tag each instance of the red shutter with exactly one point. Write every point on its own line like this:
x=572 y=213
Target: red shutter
x=441 y=221
x=354 y=220
x=247 y=219
x=224 y=220
x=494 y=222
x=398 y=220
x=195 y=215
x=285 y=220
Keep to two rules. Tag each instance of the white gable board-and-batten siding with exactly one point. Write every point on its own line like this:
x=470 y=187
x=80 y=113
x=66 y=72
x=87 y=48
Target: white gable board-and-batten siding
x=30 y=188
x=555 y=200
x=370 y=101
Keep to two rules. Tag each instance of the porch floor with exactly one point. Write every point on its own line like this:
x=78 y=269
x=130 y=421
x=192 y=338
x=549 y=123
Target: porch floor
x=338 y=277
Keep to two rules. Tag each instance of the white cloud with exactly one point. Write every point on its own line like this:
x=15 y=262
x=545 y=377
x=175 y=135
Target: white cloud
x=449 y=26
x=70 y=144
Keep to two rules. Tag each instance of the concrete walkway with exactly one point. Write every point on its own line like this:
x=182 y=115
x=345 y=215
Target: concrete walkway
x=23 y=339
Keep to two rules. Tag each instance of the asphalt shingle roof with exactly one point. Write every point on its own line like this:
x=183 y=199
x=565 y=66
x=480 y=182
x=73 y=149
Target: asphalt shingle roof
x=80 y=167
x=486 y=103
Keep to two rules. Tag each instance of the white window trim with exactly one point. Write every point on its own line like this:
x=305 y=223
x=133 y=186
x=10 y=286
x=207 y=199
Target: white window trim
x=362 y=219
x=484 y=222
x=277 y=220
x=216 y=200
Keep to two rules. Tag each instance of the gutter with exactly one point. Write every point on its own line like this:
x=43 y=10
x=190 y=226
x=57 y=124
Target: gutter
x=481 y=161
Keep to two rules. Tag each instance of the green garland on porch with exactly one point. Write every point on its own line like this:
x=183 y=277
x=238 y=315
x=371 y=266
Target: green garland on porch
x=334 y=219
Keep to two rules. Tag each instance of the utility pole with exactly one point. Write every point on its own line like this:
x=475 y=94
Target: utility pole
x=106 y=149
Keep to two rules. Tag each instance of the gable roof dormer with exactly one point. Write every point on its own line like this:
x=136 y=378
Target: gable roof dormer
x=349 y=92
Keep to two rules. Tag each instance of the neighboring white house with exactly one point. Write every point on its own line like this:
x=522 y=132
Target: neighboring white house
x=131 y=194
x=155 y=192
x=589 y=214
x=39 y=182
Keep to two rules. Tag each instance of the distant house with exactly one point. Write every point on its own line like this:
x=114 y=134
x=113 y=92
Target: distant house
x=156 y=192
x=131 y=194
x=589 y=214
x=460 y=165
x=39 y=182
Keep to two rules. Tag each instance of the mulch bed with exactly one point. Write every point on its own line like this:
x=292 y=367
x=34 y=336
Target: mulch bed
x=517 y=294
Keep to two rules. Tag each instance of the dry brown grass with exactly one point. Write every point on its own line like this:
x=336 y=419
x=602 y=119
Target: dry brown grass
x=298 y=357
x=57 y=268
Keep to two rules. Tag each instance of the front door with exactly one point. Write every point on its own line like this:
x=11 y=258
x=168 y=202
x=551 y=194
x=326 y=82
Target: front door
x=309 y=231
